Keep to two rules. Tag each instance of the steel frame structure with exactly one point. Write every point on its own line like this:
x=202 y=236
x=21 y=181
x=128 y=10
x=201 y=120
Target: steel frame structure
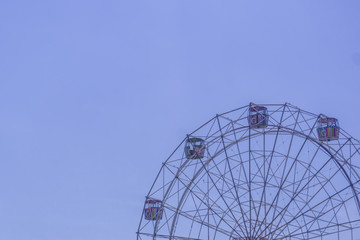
x=278 y=182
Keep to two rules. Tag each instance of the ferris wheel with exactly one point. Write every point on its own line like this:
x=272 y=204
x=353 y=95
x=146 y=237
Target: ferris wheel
x=258 y=172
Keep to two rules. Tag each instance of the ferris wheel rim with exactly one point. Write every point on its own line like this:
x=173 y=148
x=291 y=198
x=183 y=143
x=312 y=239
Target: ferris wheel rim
x=281 y=128
x=313 y=140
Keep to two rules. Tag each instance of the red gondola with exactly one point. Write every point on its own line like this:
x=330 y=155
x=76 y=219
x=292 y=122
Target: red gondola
x=153 y=209
x=328 y=129
x=258 y=117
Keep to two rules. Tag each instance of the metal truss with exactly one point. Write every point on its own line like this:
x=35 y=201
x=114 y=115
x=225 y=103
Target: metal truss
x=274 y=182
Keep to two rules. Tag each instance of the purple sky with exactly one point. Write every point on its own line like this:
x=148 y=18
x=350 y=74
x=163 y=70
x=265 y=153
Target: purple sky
x=94 y=95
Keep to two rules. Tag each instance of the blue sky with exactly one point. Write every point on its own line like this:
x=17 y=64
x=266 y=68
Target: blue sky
x=94 y=95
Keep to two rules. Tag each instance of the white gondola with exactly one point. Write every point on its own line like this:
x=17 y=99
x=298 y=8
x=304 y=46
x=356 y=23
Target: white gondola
x=194 y=148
